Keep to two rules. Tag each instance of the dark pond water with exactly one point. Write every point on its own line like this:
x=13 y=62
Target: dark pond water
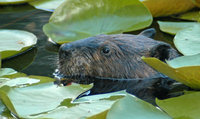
x=41 y=60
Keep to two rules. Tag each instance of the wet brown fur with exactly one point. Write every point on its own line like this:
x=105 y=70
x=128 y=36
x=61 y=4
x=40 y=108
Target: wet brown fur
x=85 y=58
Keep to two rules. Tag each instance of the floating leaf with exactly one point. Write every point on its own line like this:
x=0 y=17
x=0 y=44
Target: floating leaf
x=6 y=2
x=15 y=41
x=182 y=107
x=168 y=7
x=95 y=107
x=17 y=82
x=193 y=16
x=39 y=98
x=78 y=19
x=49 y=5
x=7 y=71
x=189 y=75
x=174 y=27
x=132 y=107
x=187 y=41
x=193 y=60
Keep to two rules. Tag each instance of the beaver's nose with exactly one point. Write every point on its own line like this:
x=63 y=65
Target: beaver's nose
x=66 y=50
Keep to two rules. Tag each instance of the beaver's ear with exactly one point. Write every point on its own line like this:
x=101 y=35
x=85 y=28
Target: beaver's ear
x=149 y=33
x=163 y=52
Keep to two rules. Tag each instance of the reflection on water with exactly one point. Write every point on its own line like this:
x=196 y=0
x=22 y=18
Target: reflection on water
x=30 y=20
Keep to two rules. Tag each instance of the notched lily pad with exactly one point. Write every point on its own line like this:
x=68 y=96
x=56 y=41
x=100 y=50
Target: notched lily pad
x=174 y=27
x=13 y=42
x=187 y=41
x=188 y=75
x=78 y=19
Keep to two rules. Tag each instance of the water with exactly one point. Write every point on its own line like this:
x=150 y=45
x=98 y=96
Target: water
x=41 y=60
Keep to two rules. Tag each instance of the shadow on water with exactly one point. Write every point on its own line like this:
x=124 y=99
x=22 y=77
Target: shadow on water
x=42 y=59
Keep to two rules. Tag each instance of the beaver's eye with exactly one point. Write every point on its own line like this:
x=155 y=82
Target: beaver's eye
x=105 y=50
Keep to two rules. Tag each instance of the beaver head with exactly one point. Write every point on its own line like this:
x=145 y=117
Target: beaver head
x=112 y=56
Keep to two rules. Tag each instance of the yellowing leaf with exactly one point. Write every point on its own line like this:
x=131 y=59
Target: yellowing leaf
x=189 y=75
x=167 y=7
x=196 y=2
x=182 y=107
x=193 y=16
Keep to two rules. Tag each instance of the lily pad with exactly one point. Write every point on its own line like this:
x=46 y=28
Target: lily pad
x=188 y=75
x=78 y=19
x=96 y=106
x=15 y=41
x=41 y=98
x=6 y=2
x=182 y=107
x=17 y=82
x=7 y=71
x=48 y=5
x=174 y=27
x=193 y=16
x=183 y=61
x=168 y=7
x=131 y=107
x=187 y=41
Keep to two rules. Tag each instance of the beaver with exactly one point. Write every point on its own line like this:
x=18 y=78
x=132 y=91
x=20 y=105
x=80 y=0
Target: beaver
x=115 y=58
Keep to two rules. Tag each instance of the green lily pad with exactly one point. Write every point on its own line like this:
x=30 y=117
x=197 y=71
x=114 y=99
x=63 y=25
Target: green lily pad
x=18 y=82
x=22 y=80
x=131 y=107
x=96 y=106
x=78 y=19
x=193 y=16
x=48 y=5
x=182 y=107
x=183 y=61
x=15 y=41
x=187 y=41
x=174 y=27
x=7 y=71
x=6 y=2
x=37 y=99
x=188 y=75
